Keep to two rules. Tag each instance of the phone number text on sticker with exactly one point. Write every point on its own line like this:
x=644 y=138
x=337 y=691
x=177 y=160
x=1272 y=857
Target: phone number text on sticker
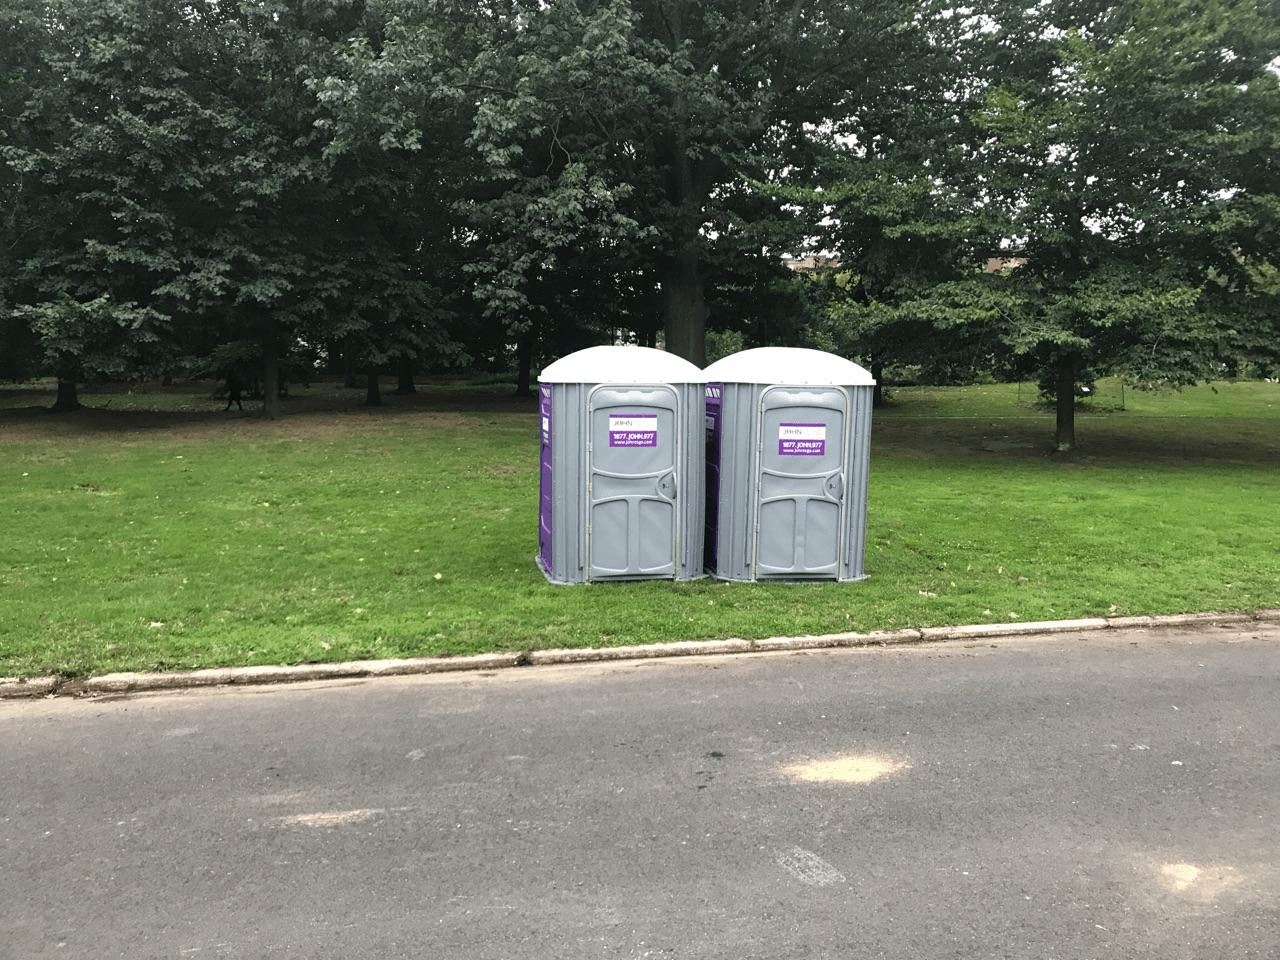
x=633 y=430
x=802 y=439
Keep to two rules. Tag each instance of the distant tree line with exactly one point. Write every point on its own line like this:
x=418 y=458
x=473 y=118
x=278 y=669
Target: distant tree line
x=410 y=186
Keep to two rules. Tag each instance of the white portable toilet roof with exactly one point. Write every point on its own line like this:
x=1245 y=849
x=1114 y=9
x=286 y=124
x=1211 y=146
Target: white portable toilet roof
x=788 y=365
x=624 y=364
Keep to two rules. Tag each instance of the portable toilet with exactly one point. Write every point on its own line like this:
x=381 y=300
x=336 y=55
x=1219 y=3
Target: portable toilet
x=622 y=466
x=788 y=451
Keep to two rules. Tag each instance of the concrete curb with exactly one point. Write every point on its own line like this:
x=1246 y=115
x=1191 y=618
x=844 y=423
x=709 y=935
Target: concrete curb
x=118 y=683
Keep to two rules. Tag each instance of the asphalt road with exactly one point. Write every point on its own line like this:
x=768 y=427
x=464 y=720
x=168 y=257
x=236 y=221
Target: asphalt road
x=1114 y=794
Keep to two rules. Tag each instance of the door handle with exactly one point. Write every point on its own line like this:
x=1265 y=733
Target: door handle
x=835 y=486
x=667 y=486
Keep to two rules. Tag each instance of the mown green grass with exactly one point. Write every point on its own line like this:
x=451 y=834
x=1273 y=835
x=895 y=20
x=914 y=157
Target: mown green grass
x=180 y=539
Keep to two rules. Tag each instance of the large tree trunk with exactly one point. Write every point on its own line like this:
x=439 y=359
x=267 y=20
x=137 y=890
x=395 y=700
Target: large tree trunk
x=877 y=392
x=1065 y=404
x=68 y=396
x=335 y=358
x=404 y=377
x=686 y=305
x=683 y=294
x=524 y=365
x=373 y=395
x=350 y=369
x=270 y=373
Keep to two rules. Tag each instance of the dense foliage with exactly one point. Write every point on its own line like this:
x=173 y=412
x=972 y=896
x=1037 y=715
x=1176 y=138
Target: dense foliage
x=1114 y=165
x=418 y=184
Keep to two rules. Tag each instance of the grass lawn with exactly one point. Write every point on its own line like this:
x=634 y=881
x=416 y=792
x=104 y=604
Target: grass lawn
x=155 y=531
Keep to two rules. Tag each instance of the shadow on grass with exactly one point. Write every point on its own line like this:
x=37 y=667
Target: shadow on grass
x=190 y=407
x=995 y=429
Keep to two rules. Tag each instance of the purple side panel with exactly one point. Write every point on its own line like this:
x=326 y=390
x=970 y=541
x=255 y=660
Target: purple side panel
x=710 y=551
x=544 y=476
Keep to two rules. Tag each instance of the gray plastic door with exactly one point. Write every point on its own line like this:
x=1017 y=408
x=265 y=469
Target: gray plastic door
x=631 y=523
x=800 y=512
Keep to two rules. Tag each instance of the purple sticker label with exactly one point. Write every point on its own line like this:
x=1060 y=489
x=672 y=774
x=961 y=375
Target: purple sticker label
x=633 y=430
x=802 y=439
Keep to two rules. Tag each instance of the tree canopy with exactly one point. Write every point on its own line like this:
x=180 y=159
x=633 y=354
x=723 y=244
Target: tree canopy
x=1115 y=159
x=425 y=183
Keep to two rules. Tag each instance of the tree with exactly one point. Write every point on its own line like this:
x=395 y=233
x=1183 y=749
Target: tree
x=396 y=162
x=739 y=89
x=266 y=258
x=1117 y=141
x=626 y=127
x=558 y=257
x=86 y=153
x=144 y=174
x=177 y=194
x=23 y=71
x=1119 y=156
x=902 y=215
